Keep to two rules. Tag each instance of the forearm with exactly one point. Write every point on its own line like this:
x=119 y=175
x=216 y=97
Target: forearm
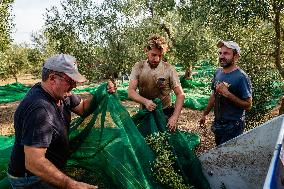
x=133 y=95
x=43 y=168
x=210 y=105
x=178 y=105
x=245 y=104
x=86 y=106
x=83 y=106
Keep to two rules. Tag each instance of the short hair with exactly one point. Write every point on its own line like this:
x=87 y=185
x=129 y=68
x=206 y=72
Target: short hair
x=46 y=72
x=157 y=41
x=235 y=52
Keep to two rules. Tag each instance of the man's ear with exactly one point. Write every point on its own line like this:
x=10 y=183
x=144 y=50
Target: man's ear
x=236 y=57
x=51 y=77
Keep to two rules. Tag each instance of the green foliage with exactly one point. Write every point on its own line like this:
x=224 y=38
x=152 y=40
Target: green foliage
x=257 y=63
x=35 y=59
x=96 y=36
x=108 y=39
x=227 y=18
x=6 y=24
x=163 y=170
x=251 y=25
x=13 y=62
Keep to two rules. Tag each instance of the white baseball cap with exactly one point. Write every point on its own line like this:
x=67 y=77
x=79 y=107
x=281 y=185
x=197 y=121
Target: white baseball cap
x=229 y=44
x=64 y=63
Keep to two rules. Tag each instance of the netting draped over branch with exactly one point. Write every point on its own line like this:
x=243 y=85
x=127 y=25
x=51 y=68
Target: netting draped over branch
x=109 y=143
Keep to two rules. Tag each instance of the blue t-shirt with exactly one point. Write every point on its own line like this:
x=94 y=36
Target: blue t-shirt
x=240 y=86
x=39 y=122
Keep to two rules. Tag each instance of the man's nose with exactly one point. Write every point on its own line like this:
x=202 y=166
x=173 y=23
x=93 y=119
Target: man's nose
x=157 y=58
x=221 y=55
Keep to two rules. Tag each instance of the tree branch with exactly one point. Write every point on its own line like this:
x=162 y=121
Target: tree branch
x=167 y=30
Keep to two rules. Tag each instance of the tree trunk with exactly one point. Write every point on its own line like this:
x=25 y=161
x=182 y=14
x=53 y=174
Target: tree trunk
x=188 y=73
x=277 y=27
x=15 y=77
x=281 y=110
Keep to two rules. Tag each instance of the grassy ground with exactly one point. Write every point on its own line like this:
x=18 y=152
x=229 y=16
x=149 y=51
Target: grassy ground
x=188 y=119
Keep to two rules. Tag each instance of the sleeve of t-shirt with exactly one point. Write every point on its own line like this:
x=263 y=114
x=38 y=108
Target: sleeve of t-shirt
x=213 y=81
x=37 y=130
x=73 y=101
x=245 y=87
x=136 y=69
x=174 y=79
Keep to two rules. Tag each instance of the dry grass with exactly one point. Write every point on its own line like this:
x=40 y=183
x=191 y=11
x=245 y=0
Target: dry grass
x=188 y=121
x=26 y=79
x=6 y=118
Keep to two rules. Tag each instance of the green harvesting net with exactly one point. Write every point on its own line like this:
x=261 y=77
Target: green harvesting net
x=12 y=92
x=197 y=91
x=125 y=152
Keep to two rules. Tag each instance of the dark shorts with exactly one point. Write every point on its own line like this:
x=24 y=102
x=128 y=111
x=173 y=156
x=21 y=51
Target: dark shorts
x=226 y=130
x=169 y=111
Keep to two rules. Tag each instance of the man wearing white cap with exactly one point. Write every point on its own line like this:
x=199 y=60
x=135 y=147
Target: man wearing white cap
x=231 y=96
x=41 y=123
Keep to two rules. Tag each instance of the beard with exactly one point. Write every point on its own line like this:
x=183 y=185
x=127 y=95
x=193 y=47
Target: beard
x=153 y=64
x=225 y=63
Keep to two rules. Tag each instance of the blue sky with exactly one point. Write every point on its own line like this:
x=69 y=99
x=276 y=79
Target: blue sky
x=28 y=17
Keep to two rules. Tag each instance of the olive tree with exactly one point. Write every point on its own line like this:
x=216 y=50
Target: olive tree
x=13 y=62
x=252 y=24
x=6 y=24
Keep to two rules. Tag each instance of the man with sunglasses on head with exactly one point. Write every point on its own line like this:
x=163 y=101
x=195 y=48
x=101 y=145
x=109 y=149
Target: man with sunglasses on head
x=41 y=123
x=231 y=96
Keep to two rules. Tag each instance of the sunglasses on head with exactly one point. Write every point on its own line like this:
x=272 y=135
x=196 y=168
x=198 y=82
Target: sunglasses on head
x=70 y=81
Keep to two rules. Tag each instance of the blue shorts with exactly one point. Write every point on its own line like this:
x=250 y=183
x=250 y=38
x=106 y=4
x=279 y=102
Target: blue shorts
x=28 y=182
x=226 y=130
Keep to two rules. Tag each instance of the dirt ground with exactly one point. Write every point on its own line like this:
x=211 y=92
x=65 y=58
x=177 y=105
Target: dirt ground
x=188 y=120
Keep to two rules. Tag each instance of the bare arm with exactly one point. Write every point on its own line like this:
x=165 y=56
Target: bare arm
x=85 y=104
x=36 y=163
x=207 y=109
x=222 y=89
x=245 y=104
x=210 y=104
x=132 y=93
x=178 y=106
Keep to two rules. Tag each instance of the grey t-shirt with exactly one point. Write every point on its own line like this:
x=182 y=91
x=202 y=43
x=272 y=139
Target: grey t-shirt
x=240 y=86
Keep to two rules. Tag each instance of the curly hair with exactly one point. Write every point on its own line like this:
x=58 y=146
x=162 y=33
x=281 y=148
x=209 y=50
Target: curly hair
x=157 y=41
